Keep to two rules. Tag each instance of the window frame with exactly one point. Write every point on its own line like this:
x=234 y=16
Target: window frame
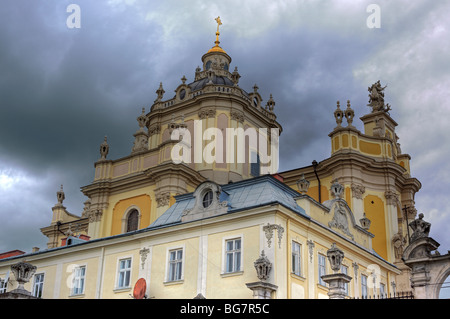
x=76 y=278
x=119 y=281
x=172 y=264
x=296 y=258
x=364 y=287
x=235 y=254
x=321 y=268
x=344 y=270
x=38 y=286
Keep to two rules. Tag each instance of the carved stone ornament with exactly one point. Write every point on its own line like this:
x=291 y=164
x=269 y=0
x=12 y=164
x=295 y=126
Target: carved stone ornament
x=311 y=245
x=268 y=230
x=349 y=114
x=237 y=116
x=338 y=114
x=335 y=257
x=339 y=220
x=162 y=199
x=60 y=196
x=104 y=149
x=23 y=272
x=391 y=198
x=143 y=252
x=337 y=190
x=357 y=190
x=303 y=185
x=263 y=267
x=154 y=129
x=365 y=222
x=399 y=242
x=420 y=227
x=203 y=114
x=95 y=215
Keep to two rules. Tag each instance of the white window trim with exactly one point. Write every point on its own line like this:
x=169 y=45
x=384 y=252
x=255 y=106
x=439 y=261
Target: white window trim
x=320 y=281
x=366 y=285
x=72 y=294
x=224 y=255
x=183 y=259
x=116 y=285
x=34 y=283
x=300 y=258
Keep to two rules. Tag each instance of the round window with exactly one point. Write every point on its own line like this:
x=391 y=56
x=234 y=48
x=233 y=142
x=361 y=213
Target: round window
x=207 y=199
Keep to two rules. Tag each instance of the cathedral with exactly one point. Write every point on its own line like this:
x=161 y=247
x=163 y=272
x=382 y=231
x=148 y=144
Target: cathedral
x=198 y=208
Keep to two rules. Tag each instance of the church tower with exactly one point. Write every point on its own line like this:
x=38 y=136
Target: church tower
x=209 y=130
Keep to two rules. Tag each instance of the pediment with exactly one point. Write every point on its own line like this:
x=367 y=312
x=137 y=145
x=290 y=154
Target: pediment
x=342 y=217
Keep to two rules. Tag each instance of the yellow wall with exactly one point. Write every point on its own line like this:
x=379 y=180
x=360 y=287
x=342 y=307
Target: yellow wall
x=142 y=202
x=374 y=209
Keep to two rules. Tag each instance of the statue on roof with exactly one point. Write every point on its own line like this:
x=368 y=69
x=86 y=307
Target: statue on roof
x=420 y=227
x=376 y=98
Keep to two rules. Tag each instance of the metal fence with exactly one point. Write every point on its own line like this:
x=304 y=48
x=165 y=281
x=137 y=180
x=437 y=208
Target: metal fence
x=396 y=295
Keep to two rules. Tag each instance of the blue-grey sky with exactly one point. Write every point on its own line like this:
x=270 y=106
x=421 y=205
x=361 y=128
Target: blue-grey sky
x=63 y=89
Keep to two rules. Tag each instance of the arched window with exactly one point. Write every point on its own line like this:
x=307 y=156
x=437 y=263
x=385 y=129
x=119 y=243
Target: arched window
x=207 y=199
x=132 y=220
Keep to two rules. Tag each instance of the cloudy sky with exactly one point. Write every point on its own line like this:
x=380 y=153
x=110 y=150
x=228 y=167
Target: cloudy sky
x=63 y=89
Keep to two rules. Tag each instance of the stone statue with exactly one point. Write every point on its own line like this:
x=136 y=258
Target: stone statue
x=399 y=242
x=420 y=227
x=104 y=148
x=376 y=98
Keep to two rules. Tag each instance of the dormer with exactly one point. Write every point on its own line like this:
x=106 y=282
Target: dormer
x=209 y=201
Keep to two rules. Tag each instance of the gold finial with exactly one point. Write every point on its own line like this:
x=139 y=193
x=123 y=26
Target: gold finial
x=219 y=22
x=217 y=48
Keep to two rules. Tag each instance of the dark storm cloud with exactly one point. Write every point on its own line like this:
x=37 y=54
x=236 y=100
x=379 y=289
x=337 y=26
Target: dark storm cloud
x=62 y=90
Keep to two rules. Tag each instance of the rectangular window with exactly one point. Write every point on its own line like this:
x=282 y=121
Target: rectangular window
x=233 y=255
x=124 y=273
x=38 y=285
x=175 y=264
x=296 y=258
x=344 y=270
x=79 y=277
x=3 y=285
x=363 y=286
x=322 y=269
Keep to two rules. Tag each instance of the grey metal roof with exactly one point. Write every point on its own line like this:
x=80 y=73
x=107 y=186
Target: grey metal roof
x=242 y=195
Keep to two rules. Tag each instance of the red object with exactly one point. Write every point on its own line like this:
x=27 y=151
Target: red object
x=11 y=253
x=139 y=289
x=279 y=177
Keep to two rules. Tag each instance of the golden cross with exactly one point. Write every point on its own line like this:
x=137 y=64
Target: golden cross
x=219 y=22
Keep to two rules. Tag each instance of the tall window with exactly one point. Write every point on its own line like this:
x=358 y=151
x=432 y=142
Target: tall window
x=344 y=270
x=175 y=264
x=124 y=273
x=132 y=220
x=233 y=255
x=38 y=285
x=363 y=286
x=79 y=277
x=322 y=269
x=3 y=285
x=296 y=258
